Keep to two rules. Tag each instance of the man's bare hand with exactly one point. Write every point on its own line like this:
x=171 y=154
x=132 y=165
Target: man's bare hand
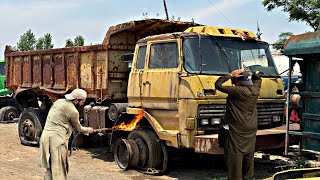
x=91 y=130
x=236 y=73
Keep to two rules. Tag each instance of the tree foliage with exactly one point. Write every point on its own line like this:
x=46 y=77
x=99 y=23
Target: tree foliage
x=27 y=41
x=39 y=44
x=299 y=10
x=69 y=43
x=78 y=41
x=47 y=41
x=283 y=37
x=44 y=42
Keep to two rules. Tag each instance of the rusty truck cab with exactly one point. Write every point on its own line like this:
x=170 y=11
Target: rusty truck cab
x=173 y=76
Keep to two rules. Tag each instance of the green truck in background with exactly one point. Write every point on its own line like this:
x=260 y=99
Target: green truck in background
x=3 y=90
x=10 y=109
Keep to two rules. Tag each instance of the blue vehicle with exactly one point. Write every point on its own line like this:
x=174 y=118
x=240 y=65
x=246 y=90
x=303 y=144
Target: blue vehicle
x=285 y=81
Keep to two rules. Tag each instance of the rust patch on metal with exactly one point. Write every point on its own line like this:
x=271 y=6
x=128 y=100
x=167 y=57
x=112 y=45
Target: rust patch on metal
x=303 y=37
x=278 y=130
x=119 y=75
x=10 y=52
x=207 y=145
x=169 y=36
x=144 y=28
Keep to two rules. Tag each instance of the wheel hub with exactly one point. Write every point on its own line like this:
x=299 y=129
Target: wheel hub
x=28 y=129
x=11 y=115
x=122 y=154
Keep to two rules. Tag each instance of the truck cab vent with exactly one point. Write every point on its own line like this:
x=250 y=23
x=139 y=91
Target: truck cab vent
x=221 y=31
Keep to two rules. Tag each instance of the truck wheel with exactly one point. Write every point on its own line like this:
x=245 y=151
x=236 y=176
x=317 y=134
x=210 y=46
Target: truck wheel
x=149 y=145
x=122 y=154
x=143 y=153
x=8 y=113
x=165 y=157
x=134 y=159
x=30 y=127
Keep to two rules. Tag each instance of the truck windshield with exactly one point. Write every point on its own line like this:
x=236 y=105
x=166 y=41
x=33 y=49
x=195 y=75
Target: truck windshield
x=221 y=56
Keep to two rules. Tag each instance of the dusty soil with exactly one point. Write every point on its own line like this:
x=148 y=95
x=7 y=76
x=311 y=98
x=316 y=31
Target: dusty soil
x=20 y=162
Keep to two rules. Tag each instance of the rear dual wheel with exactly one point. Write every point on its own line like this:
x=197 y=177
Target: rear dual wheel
x=8 y=113
x=142 y=149
x=150 y=153
x=125 y=153
x=31 y=124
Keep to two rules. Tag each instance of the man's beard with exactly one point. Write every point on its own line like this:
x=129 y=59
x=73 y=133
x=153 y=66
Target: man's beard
x=77 y=105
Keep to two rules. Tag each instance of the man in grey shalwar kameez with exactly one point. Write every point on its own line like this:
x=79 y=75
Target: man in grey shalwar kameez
x=62 y=118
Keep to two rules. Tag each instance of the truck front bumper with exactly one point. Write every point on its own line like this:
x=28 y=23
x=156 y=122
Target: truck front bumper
x=266 y=139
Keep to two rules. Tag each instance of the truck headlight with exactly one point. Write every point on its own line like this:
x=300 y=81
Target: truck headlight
x=276 y=118
x=204 y=122
x=215 y=121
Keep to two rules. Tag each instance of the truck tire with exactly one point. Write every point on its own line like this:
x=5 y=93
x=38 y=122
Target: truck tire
x=134 y=160
x=122 y=154
x=8 y=113
x=149 y=145
x=30 y=127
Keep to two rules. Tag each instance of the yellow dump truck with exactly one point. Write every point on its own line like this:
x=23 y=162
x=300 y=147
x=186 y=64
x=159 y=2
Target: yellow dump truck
x=150 y=85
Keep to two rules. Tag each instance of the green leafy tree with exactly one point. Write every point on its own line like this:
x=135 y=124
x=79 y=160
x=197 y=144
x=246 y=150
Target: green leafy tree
x=47 y=41
x=39 y=44
x=69 y=43
x=283 y=37
x=299 y=10
x=27 y=41
x=44 y=42
x=79 y=41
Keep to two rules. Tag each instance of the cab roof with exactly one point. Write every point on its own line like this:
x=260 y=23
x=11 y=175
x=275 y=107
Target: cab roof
x=206 y=31
x=221 y=31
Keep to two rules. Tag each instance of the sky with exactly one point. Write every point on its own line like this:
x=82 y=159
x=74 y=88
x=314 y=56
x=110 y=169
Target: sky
x=65 y=19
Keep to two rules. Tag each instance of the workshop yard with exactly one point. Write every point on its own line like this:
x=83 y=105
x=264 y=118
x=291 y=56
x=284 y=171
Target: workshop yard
x=20 y=162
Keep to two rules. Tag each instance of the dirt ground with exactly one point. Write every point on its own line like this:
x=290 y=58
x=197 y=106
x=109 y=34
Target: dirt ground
x=20 y=162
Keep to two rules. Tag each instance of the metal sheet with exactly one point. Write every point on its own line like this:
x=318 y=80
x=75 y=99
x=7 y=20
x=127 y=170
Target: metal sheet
x=266 y=139
x=207 y=144
x=147 y=27
x=303 y=44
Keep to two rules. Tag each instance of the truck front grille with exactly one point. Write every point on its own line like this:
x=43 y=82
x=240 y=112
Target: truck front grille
x=209 y=116
x=269 y=115
x=211 y=110
x=268 y=112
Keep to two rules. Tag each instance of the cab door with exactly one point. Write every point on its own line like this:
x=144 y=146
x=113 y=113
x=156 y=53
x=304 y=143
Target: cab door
x=159 y=78
x=135 y=77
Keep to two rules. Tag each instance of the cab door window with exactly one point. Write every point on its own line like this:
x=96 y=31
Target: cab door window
x=163 y=55
x=141 y=57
